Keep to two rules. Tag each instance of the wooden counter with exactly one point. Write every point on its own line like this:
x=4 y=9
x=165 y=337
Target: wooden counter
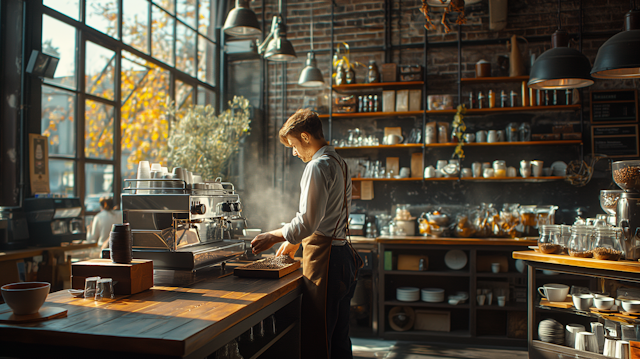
x=576 y=264
x=458 y=241
x=165 y=321
x=32 y=252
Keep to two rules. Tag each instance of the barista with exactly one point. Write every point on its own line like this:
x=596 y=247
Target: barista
x=100 y=227
x=329 y=262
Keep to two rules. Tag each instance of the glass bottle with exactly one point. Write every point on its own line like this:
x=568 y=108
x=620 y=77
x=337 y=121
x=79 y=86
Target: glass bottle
x=492 y=99
x=471 y=99
x=514 y=98
x=341 y=75
x=607 y=246
x=503 y=99
x=525 y=132
x=373 y=75
x=580 y=244
x=549 y=240
x=350 y=75
x=480 y=99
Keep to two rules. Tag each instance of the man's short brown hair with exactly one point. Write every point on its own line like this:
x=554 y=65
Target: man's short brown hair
x=304 y=120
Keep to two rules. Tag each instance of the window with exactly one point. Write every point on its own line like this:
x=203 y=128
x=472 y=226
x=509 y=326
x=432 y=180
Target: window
x=104 y=110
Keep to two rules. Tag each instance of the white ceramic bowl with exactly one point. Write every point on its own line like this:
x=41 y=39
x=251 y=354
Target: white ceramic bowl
x=631 y=306
x=604 y=303
x=583 y=301
x=26 y=297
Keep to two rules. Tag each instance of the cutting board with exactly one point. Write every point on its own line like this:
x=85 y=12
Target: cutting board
x=45 y=313
x=568 y=303
x=248 y=272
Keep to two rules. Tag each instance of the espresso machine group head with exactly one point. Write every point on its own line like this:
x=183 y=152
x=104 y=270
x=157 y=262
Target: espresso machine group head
x=626 y=174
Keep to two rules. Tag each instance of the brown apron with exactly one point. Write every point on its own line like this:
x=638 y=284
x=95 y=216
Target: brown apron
x=315 y=268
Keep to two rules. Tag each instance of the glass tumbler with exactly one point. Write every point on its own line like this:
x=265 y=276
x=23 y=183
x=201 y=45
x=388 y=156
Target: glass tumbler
x=90 y=287
x=104 y=289
x=580 y=244
x=607 y=246
x=549 y=240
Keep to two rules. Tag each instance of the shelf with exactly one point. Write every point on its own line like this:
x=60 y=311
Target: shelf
x=559 y=351
x=376 y=114
x=408 y=145
x=394 y=179
x=480 y=111
x=621 y=317
x=520 y=308
x=485 y=80
x=514 y=179
x=428 y=273
x=575 y=262
x=426 y=304
x=523 y=143
x=376 y=84
x=500 y=275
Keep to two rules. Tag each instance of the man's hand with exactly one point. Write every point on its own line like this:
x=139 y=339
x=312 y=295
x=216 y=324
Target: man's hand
x=287 y=248
x=264 y=241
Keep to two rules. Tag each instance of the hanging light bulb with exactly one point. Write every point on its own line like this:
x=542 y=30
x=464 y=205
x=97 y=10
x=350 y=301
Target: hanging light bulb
x=279 y=48
x=311 y=76
x=619 y=57
x=242 y=21
x=560 y=67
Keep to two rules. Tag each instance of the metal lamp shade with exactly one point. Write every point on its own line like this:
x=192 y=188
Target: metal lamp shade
x=311 y=75
x=619 y=57
x=560 y=68
x=241 y=21
x=280 y=50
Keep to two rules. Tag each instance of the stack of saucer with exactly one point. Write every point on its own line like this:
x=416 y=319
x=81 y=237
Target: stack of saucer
x=407 y=294
x=551 y=331
x=432 y=295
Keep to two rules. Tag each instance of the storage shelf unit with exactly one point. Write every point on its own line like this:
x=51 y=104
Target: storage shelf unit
x=484 y=80
x=468 y=320
x=472 y=144
x=470 y=179
x=377 y=84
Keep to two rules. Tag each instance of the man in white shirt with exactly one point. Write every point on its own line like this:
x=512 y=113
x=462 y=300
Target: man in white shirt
x=100 y=227
x=329 y=262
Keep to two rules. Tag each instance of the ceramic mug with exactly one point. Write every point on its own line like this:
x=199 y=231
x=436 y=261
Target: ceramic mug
x=554 y=292
x=405 y=172
x=570 y=331
x=466 y=172
x=469 y=137
x=492 y=136
x=481 y=136
x=393 y=139
x=476 y=168
x=429 y=172
x=536 y=168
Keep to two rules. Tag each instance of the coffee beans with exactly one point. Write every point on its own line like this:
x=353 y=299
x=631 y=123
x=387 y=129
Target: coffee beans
x=272 y=263
x=549 y=248
x=609 y=254
x=585 y=254
x=627 y=177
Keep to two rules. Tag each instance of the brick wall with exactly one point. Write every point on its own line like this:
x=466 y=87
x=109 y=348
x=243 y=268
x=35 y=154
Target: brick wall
x=361 y=24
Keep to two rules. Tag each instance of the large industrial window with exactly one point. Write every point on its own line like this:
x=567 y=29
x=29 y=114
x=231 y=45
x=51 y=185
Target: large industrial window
x=120 y=63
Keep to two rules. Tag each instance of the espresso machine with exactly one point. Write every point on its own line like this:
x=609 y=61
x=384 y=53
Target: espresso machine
x=183 y=227
x=626 y=174
x=53 y=221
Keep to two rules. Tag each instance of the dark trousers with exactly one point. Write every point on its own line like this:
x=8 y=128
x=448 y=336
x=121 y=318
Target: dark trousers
x=340 y=288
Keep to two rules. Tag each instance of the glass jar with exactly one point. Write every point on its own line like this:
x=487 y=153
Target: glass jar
x=580 y=244
x=565 y=237
x=492 y=99
x=607 y=246
x=546 y=214
x=499 y=168
x=512 y=132
x=373 y=75
x=549 y=240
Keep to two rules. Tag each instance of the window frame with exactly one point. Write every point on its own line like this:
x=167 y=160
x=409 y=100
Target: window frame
x=86 y=33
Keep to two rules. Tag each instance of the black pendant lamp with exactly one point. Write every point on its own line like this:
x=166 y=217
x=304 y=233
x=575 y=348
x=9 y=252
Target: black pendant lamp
x=242 y=21
x=311 y=75
x=619 y=57
x=560 y=67
x=276 y=47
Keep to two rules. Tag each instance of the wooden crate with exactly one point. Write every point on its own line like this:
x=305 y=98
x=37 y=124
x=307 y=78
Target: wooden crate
x=433 y=320
x=131 y=278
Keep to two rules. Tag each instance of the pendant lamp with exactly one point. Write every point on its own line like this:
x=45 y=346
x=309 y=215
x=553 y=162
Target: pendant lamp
x=619 y=57
x=276 y=47
x=311 y=75
x=242 y=21
x=560 y=67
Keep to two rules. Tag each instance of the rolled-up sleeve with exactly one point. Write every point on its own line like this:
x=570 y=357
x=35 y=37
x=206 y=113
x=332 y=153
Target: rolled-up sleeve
x=313 y=204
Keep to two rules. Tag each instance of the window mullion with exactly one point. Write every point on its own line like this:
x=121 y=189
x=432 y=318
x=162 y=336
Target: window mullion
x=80 y=85
x=117 y=133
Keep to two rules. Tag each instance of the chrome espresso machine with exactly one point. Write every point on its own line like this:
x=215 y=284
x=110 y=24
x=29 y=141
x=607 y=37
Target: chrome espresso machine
x=179 y=225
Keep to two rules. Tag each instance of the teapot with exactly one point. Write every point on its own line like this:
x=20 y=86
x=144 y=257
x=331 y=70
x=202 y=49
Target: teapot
x=393 y=139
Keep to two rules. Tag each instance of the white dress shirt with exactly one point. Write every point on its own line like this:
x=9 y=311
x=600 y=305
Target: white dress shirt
x=101 y=226
x=321 y=199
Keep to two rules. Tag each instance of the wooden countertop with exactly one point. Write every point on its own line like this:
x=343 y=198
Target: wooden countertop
x=165 y=320
x=457 y=241
x=622 y=265
x=32 y=252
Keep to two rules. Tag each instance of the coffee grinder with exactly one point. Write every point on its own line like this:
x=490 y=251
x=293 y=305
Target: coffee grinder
x=626 y=174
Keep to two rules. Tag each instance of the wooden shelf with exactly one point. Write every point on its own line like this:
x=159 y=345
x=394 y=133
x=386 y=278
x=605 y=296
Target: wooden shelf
x=377 y=84
x=513 y=307
x=408 y=145
x=449 y=273
x=375 y=114
x=422 y=240
x=482 y=111
x=592 y=263
x=519 y=143
x=389 y=179
x=422 y=304
x=485 y=80
x=500 y=275
x=514 y=179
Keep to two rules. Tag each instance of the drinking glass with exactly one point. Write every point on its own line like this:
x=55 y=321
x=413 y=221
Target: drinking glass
x=90 y=287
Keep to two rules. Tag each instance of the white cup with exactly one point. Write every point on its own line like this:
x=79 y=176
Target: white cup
x=511 y=171
x=536 y=168
x=622 y=349
x=583 y=301
x=405 y=172
x=570 y=331
x=441 y=163
x=609 y=347
x=429 y=172
x=495 y=267
x=492 y=136
x=586 y=341
x=487 y=173
x=144 y=172
x=469 y=137
x=525 y=172
x=481 y=136
x=489 y=298
x=480 y=298
x=502 y=300
x=476 y=168
x=554 y=292
x=603 y=303
x=466 y=172
x=598 y=329
x=393 y=139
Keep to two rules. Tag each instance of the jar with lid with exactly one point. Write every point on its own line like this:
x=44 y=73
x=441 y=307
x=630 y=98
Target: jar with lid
x=499 y=168
x=565 y=237
x=512 y=132
x=607 y=245
x=373 y=75
x=528 y=219
x=549 y=240
x=581 y=244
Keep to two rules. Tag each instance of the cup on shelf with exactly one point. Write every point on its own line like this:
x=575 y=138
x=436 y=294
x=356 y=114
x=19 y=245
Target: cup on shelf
x=570 y=333
x=481 y=136
x=597 y=328
x=536 y=168
x=488 y=173
x=495 y=267
x=489 y=298
x=582 y=301
x=469 y=137
x=586 y=341
x=476 y=169
x=429 y=172
x=502 y=300
x=511 y=171
x=492 y=136
x=622 y=349
x=405 y=172
x=554 y=292
x=609 y=347
x=466 y=172
x=481 y=298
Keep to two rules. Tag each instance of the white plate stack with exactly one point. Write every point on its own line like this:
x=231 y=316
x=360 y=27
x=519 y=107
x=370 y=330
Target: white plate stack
x=551 y=331
x=408 y=294
x=432 y=295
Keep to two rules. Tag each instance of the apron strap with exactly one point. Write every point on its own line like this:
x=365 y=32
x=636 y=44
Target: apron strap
x=344 y=199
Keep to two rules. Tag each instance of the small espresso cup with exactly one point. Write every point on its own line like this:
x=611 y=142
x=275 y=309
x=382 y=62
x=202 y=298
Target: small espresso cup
x=469 y=137
x=405 y=172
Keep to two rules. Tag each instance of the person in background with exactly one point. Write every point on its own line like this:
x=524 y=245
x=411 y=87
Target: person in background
x=329 y=263
x=100 y=227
